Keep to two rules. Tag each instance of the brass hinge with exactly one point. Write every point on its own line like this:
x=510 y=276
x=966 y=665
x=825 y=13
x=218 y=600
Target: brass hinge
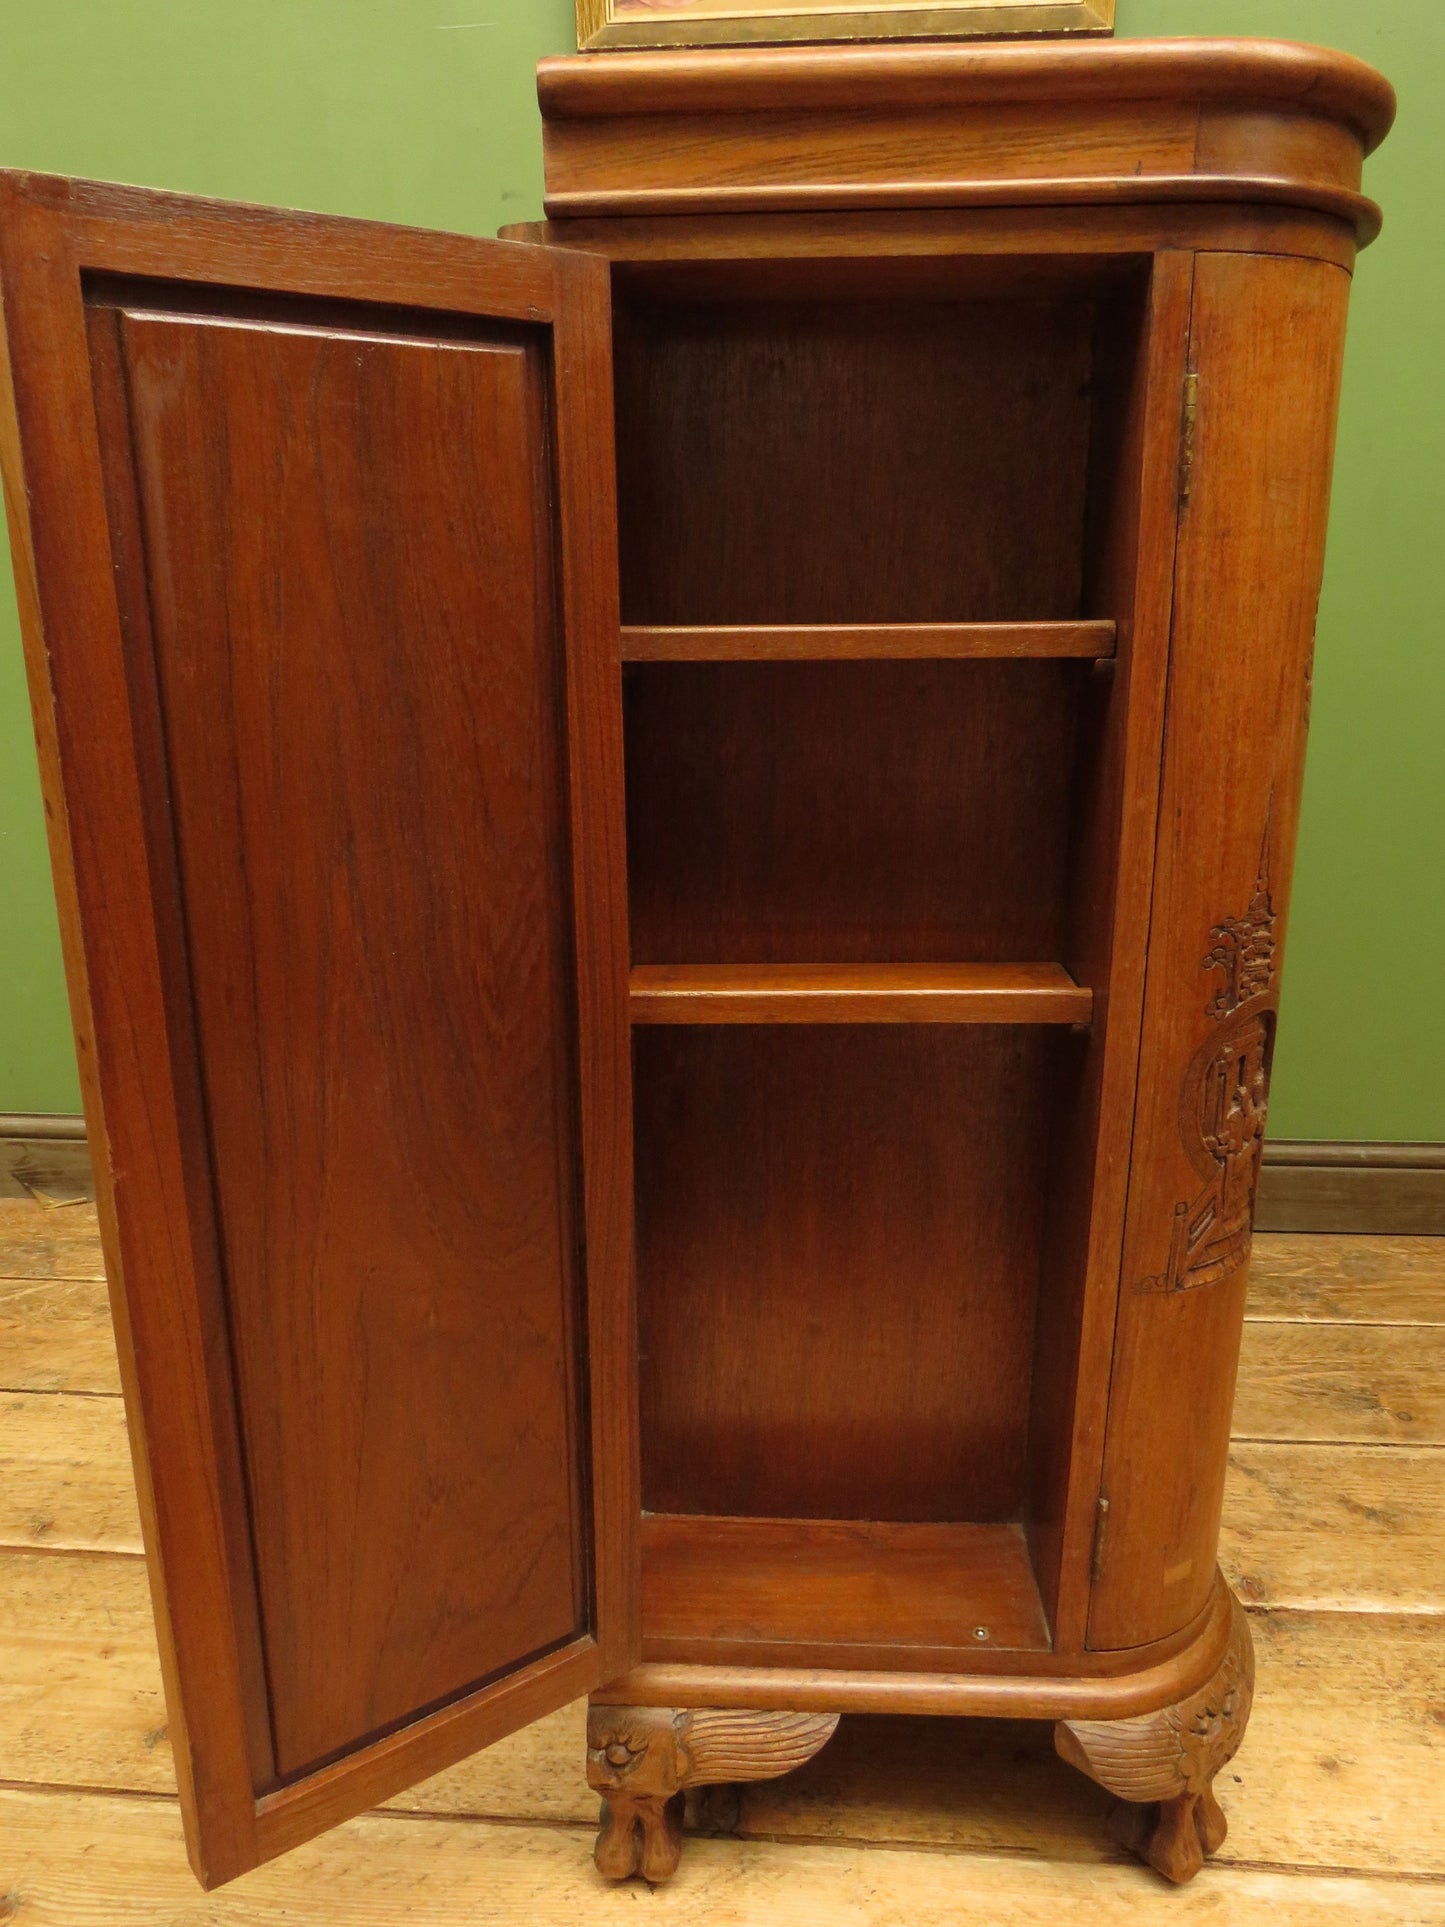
x=1187 y=433
x=1101 y=1522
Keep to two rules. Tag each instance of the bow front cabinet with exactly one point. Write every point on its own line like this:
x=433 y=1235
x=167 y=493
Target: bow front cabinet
x=673 y=837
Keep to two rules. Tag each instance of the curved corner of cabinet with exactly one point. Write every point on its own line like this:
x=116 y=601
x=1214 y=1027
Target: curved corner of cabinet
x=1266 y=341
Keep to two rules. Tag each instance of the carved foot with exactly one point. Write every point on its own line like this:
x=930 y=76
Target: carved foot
x=1162 y=1765
x=639 y=1834
x=642 y=1758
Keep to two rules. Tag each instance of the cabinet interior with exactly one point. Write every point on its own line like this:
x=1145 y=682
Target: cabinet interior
x=867 y=512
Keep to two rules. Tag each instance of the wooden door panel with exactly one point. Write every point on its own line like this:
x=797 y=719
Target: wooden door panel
x=358 y=677
x=1266 y=340
x=337 y=830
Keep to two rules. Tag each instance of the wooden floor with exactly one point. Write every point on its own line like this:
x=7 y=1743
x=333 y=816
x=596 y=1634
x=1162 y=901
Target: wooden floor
x=1335 y=1536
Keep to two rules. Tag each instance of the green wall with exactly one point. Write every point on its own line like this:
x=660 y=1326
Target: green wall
x=409 y=111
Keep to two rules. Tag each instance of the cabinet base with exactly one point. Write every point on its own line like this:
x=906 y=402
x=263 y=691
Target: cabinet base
x=641 y=1759
x=1162 y=1765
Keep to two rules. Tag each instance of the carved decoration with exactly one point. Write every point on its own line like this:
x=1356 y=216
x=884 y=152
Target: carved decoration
x=641 y=1759
x=1162 y=1765
x=1224 y=1100
x=1244 y=949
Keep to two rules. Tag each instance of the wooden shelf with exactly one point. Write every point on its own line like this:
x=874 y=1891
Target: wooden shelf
x=837 y=1592
x=870 y=642
x=1024 y=993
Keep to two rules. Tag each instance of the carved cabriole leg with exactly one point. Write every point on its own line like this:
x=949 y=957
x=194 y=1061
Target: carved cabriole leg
x=642 y=1758
x=1163 y=1764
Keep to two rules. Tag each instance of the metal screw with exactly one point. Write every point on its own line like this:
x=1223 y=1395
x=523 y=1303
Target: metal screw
x=980 y=1632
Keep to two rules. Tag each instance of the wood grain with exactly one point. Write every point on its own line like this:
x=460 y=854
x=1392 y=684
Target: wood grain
x=113 y=1862
x=56 y=1336
x=1351 y=1528
x=836 y=1266
x=1346 y=1187
x=305 y=450
x=1378 y=1281
x=834 y=1592
x=1142 y=157
x=1328 y=1527
x=1331 y=83
x=857 y=994
x=1370 y=1280
x=1335 y=1528
x=80 y=1705
x=1341 y=1703
x=1000 y=1683
x=868 y=642
x=1266 y=341
x=356 y=1346
x=262 y=850
x=1140 y=351
x=1146 y=122
x=52 y=1171
x=536 y=1773
x=1342 y=1384
x=80 y=1686
x=851 y=461
x=826 y=264
x=976 y=244
x=774 y=817
x=587 y=509
x=1164 y=1764
x=641 y=1758
x=1355 y=1733
x=65 y=1474
x=36 y=1244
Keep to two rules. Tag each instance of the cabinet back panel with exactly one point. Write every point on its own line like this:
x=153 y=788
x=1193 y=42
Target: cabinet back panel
x=848 y=812
x=838 y=1240
x=851 y=462
x=339 y=615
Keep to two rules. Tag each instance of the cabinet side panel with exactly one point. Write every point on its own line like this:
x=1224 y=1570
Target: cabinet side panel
x=357 y=672
x=1267 y=338
x=1138 y=373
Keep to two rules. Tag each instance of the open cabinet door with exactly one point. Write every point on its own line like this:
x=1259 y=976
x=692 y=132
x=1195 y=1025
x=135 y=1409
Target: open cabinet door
x=313 y=524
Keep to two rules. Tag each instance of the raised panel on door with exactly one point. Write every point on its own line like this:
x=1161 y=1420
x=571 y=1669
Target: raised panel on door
x=1266 y=339
x=315 y=527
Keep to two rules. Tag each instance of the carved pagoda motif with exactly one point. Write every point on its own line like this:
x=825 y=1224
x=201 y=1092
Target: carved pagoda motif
x=1244 y=948
x=1225 y=1100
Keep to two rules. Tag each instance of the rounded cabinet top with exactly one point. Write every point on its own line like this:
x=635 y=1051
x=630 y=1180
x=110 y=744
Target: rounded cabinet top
x=711 y=130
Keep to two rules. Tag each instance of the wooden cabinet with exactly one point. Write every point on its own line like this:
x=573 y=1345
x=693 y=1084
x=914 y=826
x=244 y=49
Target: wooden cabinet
x=674 y=839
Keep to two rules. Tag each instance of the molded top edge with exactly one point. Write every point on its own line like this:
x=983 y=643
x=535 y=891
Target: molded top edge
x=1263 y=73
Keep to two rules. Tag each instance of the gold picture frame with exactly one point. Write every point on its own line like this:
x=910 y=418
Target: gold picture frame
x=703 y=23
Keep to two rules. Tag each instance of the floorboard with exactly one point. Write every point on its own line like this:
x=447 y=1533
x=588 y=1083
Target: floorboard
x=111 y=1862
x=1342 y=1384
x=1336 y=1528
x=39 y=1243
x=50 y=1171
x=1333 y=1534
x=1381 y=1281
x=56 y=1336
x=65 y=1475
x=80 y=1682
x=80 y=1703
